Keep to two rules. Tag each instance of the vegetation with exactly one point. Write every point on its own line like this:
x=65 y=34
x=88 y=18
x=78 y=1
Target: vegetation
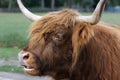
x=9 y=53
x=9 y=61
x=13 y=30
x=10 y=68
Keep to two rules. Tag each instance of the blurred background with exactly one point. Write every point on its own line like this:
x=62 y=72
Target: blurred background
x=49 y=5
x=14 y=27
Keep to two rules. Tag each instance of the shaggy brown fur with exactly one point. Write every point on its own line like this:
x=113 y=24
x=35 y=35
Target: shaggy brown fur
x=51 y=22
x=99 y=59
x=85 y=51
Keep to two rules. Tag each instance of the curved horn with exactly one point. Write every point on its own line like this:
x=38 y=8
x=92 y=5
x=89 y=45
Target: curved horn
x=27 y=13
x=95 y=17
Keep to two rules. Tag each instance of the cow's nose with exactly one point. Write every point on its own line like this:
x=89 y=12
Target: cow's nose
x=23 y=57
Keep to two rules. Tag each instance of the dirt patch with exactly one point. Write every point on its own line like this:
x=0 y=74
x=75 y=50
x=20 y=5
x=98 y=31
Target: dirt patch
x=8 y=62
x=15 y=76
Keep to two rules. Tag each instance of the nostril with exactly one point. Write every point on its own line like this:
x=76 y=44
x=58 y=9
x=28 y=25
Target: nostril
x=25 y=57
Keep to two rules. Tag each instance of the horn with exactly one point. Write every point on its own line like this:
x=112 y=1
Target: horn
x=27 y=13
x=95 y=17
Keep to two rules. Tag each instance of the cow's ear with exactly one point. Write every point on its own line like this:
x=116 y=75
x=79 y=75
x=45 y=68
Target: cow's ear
x=82 y=33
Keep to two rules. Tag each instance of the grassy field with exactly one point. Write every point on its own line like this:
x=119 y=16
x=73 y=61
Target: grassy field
x=9 y=60
x=13 y=34
x=13 y=29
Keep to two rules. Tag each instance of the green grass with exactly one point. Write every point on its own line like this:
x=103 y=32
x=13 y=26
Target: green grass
x=9 y=53
x=10 y=58
x=13 y=30
x=10 y=68
x=13 y=23
x=111 y=18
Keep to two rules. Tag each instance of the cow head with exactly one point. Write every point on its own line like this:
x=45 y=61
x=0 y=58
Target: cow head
x=56 y=40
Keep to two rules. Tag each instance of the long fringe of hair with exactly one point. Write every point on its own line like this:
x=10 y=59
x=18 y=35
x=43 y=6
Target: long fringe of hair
x=51 y=22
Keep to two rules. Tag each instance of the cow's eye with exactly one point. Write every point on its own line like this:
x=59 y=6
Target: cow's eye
x=59 y=38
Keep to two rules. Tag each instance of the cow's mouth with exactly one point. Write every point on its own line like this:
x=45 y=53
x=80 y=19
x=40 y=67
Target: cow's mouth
x=28 y=68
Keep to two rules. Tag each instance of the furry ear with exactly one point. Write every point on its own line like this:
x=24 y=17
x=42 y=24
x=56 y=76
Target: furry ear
x=82 y=33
